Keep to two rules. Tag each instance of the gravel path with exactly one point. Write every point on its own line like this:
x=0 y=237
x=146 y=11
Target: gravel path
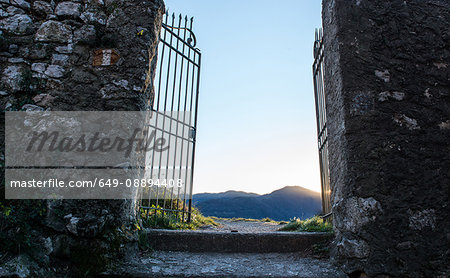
x=180 y=264
x=228 y=226
x=220 y=264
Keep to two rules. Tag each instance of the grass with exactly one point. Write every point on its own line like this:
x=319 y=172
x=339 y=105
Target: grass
x=158 y=220
x=315 y=224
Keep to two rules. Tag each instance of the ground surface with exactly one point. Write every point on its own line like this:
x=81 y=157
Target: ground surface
x=185 y=264
x=233 y=249
x=228 y=225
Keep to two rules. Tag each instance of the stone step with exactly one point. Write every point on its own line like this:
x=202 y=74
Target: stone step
x=187 y=264
x=207 y=241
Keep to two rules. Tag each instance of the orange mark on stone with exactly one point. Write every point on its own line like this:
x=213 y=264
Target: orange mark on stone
x=105 y=57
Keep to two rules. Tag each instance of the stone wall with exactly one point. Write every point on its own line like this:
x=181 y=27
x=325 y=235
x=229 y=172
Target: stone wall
x=75 y=55
x=387 y=85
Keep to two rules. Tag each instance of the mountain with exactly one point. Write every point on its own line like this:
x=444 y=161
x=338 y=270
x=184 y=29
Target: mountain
x=282 y=204
x=198 y=198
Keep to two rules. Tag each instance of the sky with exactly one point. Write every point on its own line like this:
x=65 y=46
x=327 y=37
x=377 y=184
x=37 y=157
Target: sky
x=256 y=126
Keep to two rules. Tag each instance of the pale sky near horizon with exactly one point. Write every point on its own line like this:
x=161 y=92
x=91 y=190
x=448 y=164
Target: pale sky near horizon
x=256 y=126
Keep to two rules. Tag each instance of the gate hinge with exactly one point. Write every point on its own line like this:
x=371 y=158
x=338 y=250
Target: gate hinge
x=192 y=134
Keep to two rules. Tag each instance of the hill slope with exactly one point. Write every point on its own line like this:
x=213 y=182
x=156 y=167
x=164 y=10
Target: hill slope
x=282 y=204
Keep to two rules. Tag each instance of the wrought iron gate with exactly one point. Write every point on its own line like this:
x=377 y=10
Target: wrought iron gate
x=175 y=106
x=322 y=132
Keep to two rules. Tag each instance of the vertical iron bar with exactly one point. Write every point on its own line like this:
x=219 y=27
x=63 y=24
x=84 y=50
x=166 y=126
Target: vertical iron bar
x=184 y=120
x=195 y=136
x=157 y=108
x=171 y=115
x=194 y=133
x=164 y=119
x=180 y=89
x=190 y=121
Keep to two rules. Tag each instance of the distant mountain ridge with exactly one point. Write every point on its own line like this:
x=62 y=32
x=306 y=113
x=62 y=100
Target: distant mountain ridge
x=283 y=204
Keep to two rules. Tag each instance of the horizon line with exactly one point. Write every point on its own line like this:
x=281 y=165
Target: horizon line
x=236 y=190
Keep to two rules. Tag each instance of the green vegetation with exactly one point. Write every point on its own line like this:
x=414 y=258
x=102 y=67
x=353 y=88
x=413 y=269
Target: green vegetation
x=267 y=219
x=321 y=250
x=155 y=218
x=17 y=219
x=143 y=241
x=315 y=224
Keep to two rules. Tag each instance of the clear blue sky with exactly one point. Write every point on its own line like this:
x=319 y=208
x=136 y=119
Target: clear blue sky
x=256 y=129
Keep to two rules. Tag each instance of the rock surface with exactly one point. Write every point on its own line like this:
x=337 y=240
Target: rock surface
x=12 y=77
x=232 y=242
x=180 y=264
x=18 y=24
x=54 y=31
x=67 y=8
x=227 y=226
x=387 y=99
x=42 y=8
x=46 y=52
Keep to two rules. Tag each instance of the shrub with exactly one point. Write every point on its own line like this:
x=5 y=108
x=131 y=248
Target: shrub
x=156 y=218
x=315 y=224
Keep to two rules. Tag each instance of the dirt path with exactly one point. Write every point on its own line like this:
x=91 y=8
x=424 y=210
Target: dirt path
x=243 y=226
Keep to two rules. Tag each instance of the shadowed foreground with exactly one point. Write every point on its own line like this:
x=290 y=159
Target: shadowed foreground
x=185 y=264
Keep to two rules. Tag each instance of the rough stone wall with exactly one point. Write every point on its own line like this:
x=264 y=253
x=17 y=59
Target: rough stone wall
x=49 y=59
x=387 y=85
x=76 y=55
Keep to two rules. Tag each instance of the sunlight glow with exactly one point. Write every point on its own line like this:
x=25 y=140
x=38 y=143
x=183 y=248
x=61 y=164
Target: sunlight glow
x=256 y=129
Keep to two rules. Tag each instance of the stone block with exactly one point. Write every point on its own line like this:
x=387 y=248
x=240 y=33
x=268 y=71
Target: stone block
x=68 y=9
x=18 y=24
x=54 y=31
